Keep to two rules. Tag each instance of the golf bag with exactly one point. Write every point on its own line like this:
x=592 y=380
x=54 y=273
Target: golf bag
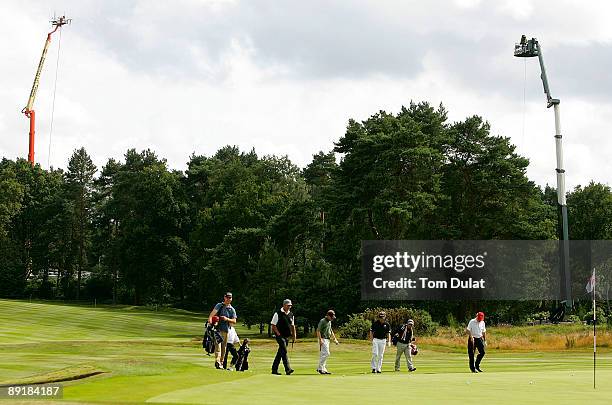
x=557 y=314
x=211 y=338
x=414 y=350
x=242 y=363
x=230 y=349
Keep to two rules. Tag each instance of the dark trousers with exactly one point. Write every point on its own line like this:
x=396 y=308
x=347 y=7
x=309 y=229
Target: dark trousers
x=472 y=346
x=281 y=354
x=232 y=350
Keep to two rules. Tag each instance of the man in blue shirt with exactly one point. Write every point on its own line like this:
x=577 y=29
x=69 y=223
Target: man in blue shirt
x=227 y=317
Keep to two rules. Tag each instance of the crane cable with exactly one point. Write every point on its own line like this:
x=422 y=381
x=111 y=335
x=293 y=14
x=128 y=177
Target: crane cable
x=59 y=47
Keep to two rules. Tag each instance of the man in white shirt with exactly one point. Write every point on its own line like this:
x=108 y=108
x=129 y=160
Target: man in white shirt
x=233 y=342
x=283 y=326
x=477 y=339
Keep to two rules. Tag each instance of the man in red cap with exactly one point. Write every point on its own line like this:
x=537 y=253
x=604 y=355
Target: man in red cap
x=477 y=339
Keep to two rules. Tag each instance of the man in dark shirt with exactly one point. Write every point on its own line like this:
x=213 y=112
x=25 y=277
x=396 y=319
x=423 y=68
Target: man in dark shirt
x=283 y=326
x=380 y=334
x=404 y=335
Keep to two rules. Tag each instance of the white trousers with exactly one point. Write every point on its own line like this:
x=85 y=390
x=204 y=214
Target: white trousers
x=378 y=351
x=324 y=355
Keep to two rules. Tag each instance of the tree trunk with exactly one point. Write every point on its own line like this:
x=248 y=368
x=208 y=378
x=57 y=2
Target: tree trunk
x=182 y=287
x=371 y=222
x=81 y=239
x=114 y=282
x=28 y=260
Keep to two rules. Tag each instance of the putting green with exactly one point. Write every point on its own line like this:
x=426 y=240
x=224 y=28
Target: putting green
x=500 y=388
x=155 y=357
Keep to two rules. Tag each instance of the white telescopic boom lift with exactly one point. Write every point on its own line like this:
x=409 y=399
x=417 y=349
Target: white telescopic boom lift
x=528 y=49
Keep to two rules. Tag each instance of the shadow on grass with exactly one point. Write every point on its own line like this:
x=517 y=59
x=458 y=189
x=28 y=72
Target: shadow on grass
x=66 y=374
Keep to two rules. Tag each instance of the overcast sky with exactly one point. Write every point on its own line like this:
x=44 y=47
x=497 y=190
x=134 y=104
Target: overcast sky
x=191 y=76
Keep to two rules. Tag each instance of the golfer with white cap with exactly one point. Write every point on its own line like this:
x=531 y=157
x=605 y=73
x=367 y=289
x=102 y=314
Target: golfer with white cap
x=404 y=335
x=283 y=326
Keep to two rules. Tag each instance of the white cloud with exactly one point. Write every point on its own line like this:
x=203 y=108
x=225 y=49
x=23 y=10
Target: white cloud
x=467 y=3
x=519 y=10
x=286 y=77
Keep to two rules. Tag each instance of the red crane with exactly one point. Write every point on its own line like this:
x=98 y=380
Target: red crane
x=28 y=111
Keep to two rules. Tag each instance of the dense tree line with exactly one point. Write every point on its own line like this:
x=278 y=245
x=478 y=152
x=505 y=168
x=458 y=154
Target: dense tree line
x=136 y=232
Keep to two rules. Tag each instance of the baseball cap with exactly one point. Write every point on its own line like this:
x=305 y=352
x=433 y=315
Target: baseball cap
x=410 y=322
x=228 y=294
x=287 y=302
x=480 y=316
x=331 y=313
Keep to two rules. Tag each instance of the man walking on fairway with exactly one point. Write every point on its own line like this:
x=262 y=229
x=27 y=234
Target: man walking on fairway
x=283 y=326
x=477 y=339
x=380 y=334
x=227 y=317
x=404 y=335
x=325 y=333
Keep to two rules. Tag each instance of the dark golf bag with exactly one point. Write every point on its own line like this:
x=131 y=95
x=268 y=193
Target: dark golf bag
x=211 y=338
x=242 y=363
x=230 y=349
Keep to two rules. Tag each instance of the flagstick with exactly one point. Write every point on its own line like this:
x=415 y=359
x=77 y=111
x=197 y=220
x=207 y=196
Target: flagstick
x=594 y=343
x=594 y=332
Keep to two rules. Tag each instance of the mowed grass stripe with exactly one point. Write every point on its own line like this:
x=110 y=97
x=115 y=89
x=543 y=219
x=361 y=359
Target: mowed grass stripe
x=37 y=322
x=91 y=317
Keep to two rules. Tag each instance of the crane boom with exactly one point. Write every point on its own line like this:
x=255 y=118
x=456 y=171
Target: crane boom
x=28 y=109
x=529 y=49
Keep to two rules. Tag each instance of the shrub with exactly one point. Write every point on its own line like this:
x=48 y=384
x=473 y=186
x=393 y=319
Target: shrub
x=538 y=316
x=601 y=317
x=356 y=328
x=452 y=322
x=423 y=324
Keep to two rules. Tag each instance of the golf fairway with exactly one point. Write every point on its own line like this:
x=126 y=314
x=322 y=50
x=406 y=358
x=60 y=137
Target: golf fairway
x=140 y=356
